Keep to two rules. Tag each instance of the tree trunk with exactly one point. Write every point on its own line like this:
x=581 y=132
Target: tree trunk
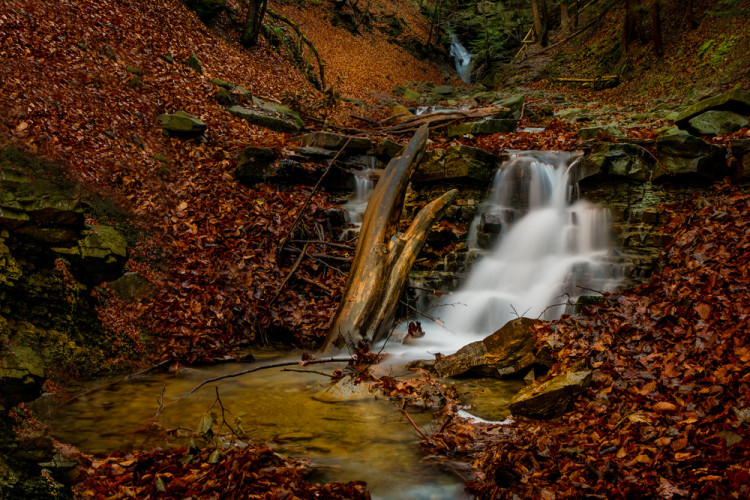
x=564 y=17
x=256 y=9
x=656 y=27
x=539 y=8
x=384 y=257
x=632 y=27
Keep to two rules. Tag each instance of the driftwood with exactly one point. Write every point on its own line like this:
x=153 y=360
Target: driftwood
x=384 y=257
x=433 y=120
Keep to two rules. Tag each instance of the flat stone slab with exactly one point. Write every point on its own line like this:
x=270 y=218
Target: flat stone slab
x=456 y=162
x=736 y=100
x=552 y=398
x=181 y=124
x=329 y=140
x=270 y=119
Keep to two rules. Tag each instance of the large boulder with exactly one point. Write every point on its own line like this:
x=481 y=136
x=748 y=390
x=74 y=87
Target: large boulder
x=736 y=100
x=590 y=133
x=456 y=162
x=269 y=115
x=615 y=159
x=508 y=351
x=101 y=251
x=550 y=399
x=21 y=375
x=680 y=153
x=716 y=122
x=181 y=124
x=329 y=140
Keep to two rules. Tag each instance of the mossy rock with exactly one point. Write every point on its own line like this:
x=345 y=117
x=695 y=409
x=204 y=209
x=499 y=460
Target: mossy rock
x=552 y=398
x=181 y=124
x=456 y=162
x=680 y=153
x=254 y=165
x=21 y=375
x=194 y=63
x=717 y=122
x=278 y=118
x=736 y=100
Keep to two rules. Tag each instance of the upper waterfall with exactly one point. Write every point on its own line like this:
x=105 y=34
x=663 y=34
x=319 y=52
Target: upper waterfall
x=462 y=59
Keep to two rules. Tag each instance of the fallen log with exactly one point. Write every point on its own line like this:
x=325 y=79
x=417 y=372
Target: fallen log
x=383 y=257
x=411 y=123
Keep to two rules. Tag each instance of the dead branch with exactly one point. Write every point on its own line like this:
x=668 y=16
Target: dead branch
x=416 y=427
x=433 y=120
x=309 y=198
x=327 y=290
x=303 y=39
x=291 y=273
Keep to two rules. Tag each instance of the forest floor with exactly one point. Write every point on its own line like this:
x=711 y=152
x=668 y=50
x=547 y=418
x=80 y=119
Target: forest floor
x=667 y=412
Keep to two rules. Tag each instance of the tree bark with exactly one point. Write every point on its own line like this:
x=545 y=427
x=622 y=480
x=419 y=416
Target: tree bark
x=539 y=9
x=564 y=17
x=384 y=257
x=256 y=9
x=656 y=27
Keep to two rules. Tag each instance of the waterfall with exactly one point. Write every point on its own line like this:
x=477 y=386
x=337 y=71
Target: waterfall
x=550 y=250
x=462 y=59
x=356 y=206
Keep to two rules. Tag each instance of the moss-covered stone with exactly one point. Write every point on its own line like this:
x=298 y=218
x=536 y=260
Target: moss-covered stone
x=456 y=162
x=736 y=100
x=329 y=140
x=206 y=9
x=716 y=122
x=194 y=63
x=254 y=164
x=278 y=118
x=552 y=398
x=680 y=153
x=181 y=124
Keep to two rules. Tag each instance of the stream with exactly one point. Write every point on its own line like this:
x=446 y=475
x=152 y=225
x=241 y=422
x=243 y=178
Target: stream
x=550 y=249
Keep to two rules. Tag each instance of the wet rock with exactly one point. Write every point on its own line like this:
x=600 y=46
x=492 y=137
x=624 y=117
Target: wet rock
x=590 y=133
x=483 y=127
x=21 y=375
x=615 y=159
x=226 y=98
x=680 y=153
x=456 y=162
x=514 y=105
x=715 y=122
x=313 y=152
x=131 y=286
x=329 y=140
x=278 y=118
x=736 y=100
x=254 y=164
x=389 y=148
x=491 y=223
x=290 y=172
x=552 y=398
x=572 y=115
x=181 y=124
x=509 y=350
x=444 y=90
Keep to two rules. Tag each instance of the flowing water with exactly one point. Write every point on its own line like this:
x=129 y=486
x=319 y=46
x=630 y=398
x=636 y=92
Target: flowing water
x=462 y=59
x=548 y=247
x=550 y=251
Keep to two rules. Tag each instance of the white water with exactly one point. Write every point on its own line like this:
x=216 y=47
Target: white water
x=549 y=251
x=462 y=59
x=356 y=206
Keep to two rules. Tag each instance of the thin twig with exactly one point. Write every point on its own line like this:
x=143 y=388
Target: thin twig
x=323 y=242
x=123 y=379
x=589 y=289
x=223 y=416
x=288 y=276
x=327 y=290
x=364 y=119
x=309 y=198
x=416 y=427
x=329 y=375
x=431 y=318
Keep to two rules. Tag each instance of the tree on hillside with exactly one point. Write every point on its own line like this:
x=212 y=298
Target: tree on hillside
x=256 y=9
x=541 y=20
x=633 y=25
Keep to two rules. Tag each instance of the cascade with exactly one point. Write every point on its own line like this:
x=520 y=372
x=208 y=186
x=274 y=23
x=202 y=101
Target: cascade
x=462 y=59
x=550 y=251
x=355 y=207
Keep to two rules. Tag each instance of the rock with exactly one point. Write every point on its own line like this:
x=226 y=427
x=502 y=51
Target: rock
x=715 y=122
x=313 y=152
x=101 y=251
x=131 y=286
x=509 y=350
x=399 y=110
x=328 y=140
x=615 y=159
x=181 y=124
x=514 y=105
x=290 y=172
x=411 y=95
x=39 y=210
x=389 y=148
x=741 y=152
x=590 y=133
x=276 y=118
x=444 y=90
x=345 y=390
x=572 y=115
x=21 y=375
x=736 y=100
x=491 y=223
x=254 y=164
x=226 y=98
x=456 y=162
x=483 y=127
x=223 y=84
x=552 y=398
x=680 y=153
x=206 y=9
x=194 y=63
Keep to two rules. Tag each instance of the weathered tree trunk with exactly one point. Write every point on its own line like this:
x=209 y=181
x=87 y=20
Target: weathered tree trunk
x=564 y=17
x=256 y=9
x=539 y=9
x=384 y=257
x=656 y=27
